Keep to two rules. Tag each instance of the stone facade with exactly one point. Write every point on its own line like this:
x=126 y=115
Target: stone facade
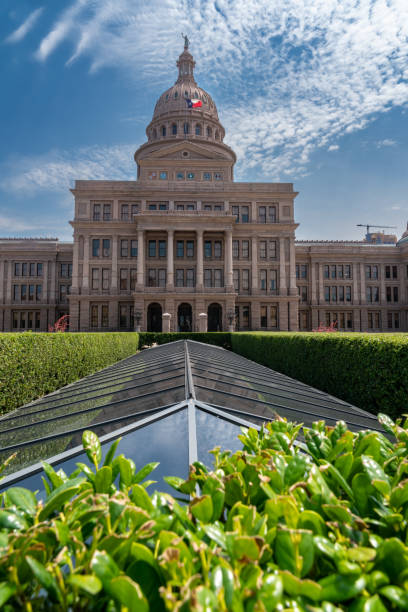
x=185 y=247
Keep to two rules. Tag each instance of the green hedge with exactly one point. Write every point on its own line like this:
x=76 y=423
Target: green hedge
x=367 y=370
x=32 y=365
x=318 y=528
x=222 y=339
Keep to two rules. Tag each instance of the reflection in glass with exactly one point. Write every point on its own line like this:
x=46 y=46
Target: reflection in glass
x=214 y=431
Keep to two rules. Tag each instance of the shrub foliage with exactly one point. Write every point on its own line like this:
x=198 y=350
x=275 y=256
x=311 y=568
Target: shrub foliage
x=315 y=527
x=367 y=370
x=32 y=365
x=222 y=339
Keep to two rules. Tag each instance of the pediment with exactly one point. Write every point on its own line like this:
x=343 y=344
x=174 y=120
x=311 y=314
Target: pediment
x=195 y=151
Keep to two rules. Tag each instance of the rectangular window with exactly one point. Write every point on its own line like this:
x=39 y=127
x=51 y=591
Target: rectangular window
x=162 y=248
x=262 y=214
x=303 y=271
x=334 y=294
x=162 y=206
x=63 y=293
x=387 y=271
x=235 y=249
x=327 y=294
x=264 y=316
x=179 y=278
x=376 y=294
x=217 y=249
x=217 y=208
x=151 y=277
x=133 y=278
x=97 y=212
x=245 y=317
x=341 y=294
x=396 y=320
x=348 y=294
x=332 y=271
x=190 y=278
x=152 y=248
x=262 y=277
x=272 y=249
x=94 y=316
x=105 y=278
x=262 y=249
x=95 y=247
x=17 y=269
x=106 y=247
x=369 y=294
x=190 y=248
x=297 y=270
x=133 y=248
x=245 y=249
x=32 y=269
x=180 y=248
x=180 y=206
x=326 y=272
x=123 y=284
x=273 y=276
x=107 y=213
x=235 y=278
x=124 y=249
x=394 y=272
x=162 y=277
x=374 y=272
x=218 y=278
x=16 y=292
x=388 y=294
x=272 y=214
x=245 y=280
x=273 y=316
x=23 y=293
x=24 y=269
x=368 y=273
x=347 y=271
x=122 y=315
x=245 y=214
x=389 y=320
x=105 y=315
x=207 y=207
x=303 y=294
x=207 y=278
x=395 y=294
x=40 y=269
x=235 y=212
x=95 y=278
x=152 y=207
x=124 y=214
x=190 y=207
x=135 y=209
x=207 y=248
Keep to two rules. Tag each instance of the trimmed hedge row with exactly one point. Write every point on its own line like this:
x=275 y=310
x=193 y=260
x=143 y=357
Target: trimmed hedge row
x=222 y=339
x=32 y=365
x=367 y=370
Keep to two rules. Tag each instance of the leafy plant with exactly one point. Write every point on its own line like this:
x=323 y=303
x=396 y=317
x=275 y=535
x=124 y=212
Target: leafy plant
x=312 y=520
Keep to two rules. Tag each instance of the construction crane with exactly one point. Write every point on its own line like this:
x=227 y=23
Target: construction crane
x=368 y=225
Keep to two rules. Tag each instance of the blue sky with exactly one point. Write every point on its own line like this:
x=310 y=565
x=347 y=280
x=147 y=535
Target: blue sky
x=313 y=92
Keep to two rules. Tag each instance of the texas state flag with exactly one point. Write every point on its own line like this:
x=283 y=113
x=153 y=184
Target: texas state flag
x=193 y=103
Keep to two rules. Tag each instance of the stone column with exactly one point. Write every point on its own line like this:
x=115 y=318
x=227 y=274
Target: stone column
x=321 y=286
x=85 y=267
x=140 y=260
x=283 y=316
x=75 y=267
x=53 y=281
x=254 y=216
x=115 y=211
x=45 y=283
x=254 y=264
x=292 y=268
x=255 y=316
x=8 y=287
x=355 y=297
x=282 y=270
x=199 y=207
x=171 y=204
x=200 y=265
x=315 y=319
x=313 y=281
x=166 y=320
x=229 y=283
x=170 y=261
x=383 y=300
x=114 y=277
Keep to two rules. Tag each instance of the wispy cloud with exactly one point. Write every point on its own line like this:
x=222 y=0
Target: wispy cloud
x=22 y=31
x=326 y=68
x=57 y=170
x=333 y=148
x=387 y=142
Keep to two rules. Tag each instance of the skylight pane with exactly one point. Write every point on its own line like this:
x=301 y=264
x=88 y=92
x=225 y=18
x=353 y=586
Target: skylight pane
x=213 y=431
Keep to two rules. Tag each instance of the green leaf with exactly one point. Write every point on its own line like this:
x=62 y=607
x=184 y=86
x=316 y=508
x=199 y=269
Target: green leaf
x=206 y=600
x=246 y=547
x=7 y=590
x=396 y=595
x=216 y=533
x=88 y=583
x=141 y=498
x=45 y=578
x=92 y=447
x=202 y=508
x=52 y=475
x=386 y=422
x=311 y=520
x=129 y=594
x=271 y=592
x=22 y=498
x=111 y=452
x=60 y=495
x=103 y=479
x=126 y=470
x=11 y=521
x=144 y=472
x=295 y=586
x=147 y=574
x=104 y=567
x=361 y=554
x=181 y=485
x=368 y=604
x=376 y=474
x=223 y=578
x=294 y=550
x=337 y=588
x=399 y=495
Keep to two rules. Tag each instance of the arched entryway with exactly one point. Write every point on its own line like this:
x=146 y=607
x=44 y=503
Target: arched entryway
x=214 y=317
x=185 y=318
x=154 y=317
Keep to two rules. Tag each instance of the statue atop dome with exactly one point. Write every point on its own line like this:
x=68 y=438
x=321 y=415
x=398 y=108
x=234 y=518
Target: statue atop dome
x=186 y=40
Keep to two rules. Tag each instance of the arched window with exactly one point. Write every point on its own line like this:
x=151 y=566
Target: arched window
x=176 y=94
x=198 y=129
x=217 y=136
x=154 y=133
x=186 y=94
x=163 y=130
x=174 y=129
x=186 y=128
x=167 y=97
x=209 y=132
x=196 y=94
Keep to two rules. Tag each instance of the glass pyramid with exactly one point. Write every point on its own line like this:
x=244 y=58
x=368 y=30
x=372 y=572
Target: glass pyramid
x=171 y=403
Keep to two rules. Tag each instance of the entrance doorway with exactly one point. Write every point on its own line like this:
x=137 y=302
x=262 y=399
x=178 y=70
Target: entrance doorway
x=154 y=317
x=184 y=318
x=214 y=317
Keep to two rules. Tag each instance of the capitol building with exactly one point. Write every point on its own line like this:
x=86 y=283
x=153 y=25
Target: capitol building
x=184 y=247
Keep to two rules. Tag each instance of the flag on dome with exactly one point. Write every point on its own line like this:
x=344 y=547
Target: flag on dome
x=193 y=103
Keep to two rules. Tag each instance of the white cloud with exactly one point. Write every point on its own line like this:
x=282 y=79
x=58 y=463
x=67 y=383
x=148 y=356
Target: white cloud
x=25 y=27
x=57 y=170
x=387 y=142
x=297 y=75
x=333 y=148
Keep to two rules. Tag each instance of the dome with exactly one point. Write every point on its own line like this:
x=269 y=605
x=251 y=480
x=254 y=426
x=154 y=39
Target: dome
x=174 y=101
